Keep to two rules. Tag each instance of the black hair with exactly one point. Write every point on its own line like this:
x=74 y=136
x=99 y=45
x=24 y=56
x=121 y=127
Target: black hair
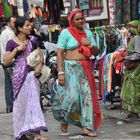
x=8 y=19
x=32 y=19
x=20 y=21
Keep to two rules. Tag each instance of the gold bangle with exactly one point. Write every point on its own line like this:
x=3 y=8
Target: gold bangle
x=60 y=69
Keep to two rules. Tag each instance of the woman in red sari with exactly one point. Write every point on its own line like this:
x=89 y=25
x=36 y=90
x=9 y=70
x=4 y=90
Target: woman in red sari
x=76 y=101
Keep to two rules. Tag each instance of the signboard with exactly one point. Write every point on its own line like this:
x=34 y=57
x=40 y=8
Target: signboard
x=97 y=10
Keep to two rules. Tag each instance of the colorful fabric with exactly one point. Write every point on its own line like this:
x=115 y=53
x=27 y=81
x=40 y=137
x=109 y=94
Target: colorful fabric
x=7 y=9
x=105 y=77
x=1 y=10
x=73 y=101
x=119 y=12
x=20 y=66
x=130 y=93
x=67 y=41
x=112 y=11
x=126 y=11
x=27 y=113
x=123 y=11
x=71 y=94
x=78 y=36
x=133 y=27
x=134 y=9
x=87 y=66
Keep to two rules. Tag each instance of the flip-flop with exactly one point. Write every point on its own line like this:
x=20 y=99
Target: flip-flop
x=76 y=137
x=40 y=138
x=91 y=134
x=64 y=134
x=63 y=129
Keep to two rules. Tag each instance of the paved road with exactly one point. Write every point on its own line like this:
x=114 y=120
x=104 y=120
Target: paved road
x=109 y=129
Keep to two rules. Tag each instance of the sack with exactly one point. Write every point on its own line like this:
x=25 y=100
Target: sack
x=33 y=60
x=45 y=73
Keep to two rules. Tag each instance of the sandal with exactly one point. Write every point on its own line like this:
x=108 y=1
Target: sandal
x=89 y=133
x=64 y=129
x=39 y=137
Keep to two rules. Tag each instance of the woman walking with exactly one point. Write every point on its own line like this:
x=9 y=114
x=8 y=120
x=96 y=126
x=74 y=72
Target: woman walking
x=27 y=114
x=76 y=100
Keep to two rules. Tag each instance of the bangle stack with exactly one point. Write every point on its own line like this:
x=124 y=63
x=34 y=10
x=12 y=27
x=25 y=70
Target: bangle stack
x=60 y=73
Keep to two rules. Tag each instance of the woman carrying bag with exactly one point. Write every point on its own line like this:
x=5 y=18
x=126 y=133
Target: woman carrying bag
x=27 y=114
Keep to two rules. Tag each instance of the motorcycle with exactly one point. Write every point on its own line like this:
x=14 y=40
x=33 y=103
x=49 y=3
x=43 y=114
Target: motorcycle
x=48 y=89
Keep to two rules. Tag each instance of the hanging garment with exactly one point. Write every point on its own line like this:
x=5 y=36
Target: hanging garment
x=12 y=2
x=112 y=11
x=84 y=4
x=20 y=8
x=127 y=10
x=54 y=10
x=1 y=10
x=130 y=93
x=25 y=6
x=32 y=13
x=7 y=9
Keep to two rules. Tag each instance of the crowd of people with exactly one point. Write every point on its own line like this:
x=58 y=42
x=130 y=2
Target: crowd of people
x=76 y=99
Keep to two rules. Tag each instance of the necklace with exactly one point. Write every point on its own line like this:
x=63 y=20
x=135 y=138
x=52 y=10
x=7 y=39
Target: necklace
x=22 y=41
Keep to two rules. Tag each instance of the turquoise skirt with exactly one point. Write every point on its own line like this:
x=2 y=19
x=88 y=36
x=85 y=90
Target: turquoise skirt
x=73 y=101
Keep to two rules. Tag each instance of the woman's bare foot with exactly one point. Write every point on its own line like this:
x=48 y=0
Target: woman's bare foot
x=39 y=137
x=89 y=133
x=64 y=127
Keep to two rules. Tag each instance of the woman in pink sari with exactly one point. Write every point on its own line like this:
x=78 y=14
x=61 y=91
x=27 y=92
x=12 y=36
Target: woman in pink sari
x=76 y=101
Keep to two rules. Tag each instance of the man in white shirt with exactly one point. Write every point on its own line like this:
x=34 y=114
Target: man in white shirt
x=7 y=34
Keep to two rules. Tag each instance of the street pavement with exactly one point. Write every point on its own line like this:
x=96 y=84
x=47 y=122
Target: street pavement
x=112 y=127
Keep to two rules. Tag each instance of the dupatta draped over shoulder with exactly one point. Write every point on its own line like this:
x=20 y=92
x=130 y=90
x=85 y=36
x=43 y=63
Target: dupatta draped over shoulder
x=20 y=69
x=87 y=66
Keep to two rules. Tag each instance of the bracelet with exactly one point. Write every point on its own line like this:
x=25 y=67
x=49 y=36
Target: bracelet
x=90 y=46
x=60 y=69
x=60 y=73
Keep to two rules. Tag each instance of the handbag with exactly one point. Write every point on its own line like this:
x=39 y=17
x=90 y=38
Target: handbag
x=33 y=59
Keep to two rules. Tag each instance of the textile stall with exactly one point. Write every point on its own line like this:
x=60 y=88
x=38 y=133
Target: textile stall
x=112 y=42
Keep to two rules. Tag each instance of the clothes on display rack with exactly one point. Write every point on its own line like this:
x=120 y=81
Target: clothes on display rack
x=112 y=49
